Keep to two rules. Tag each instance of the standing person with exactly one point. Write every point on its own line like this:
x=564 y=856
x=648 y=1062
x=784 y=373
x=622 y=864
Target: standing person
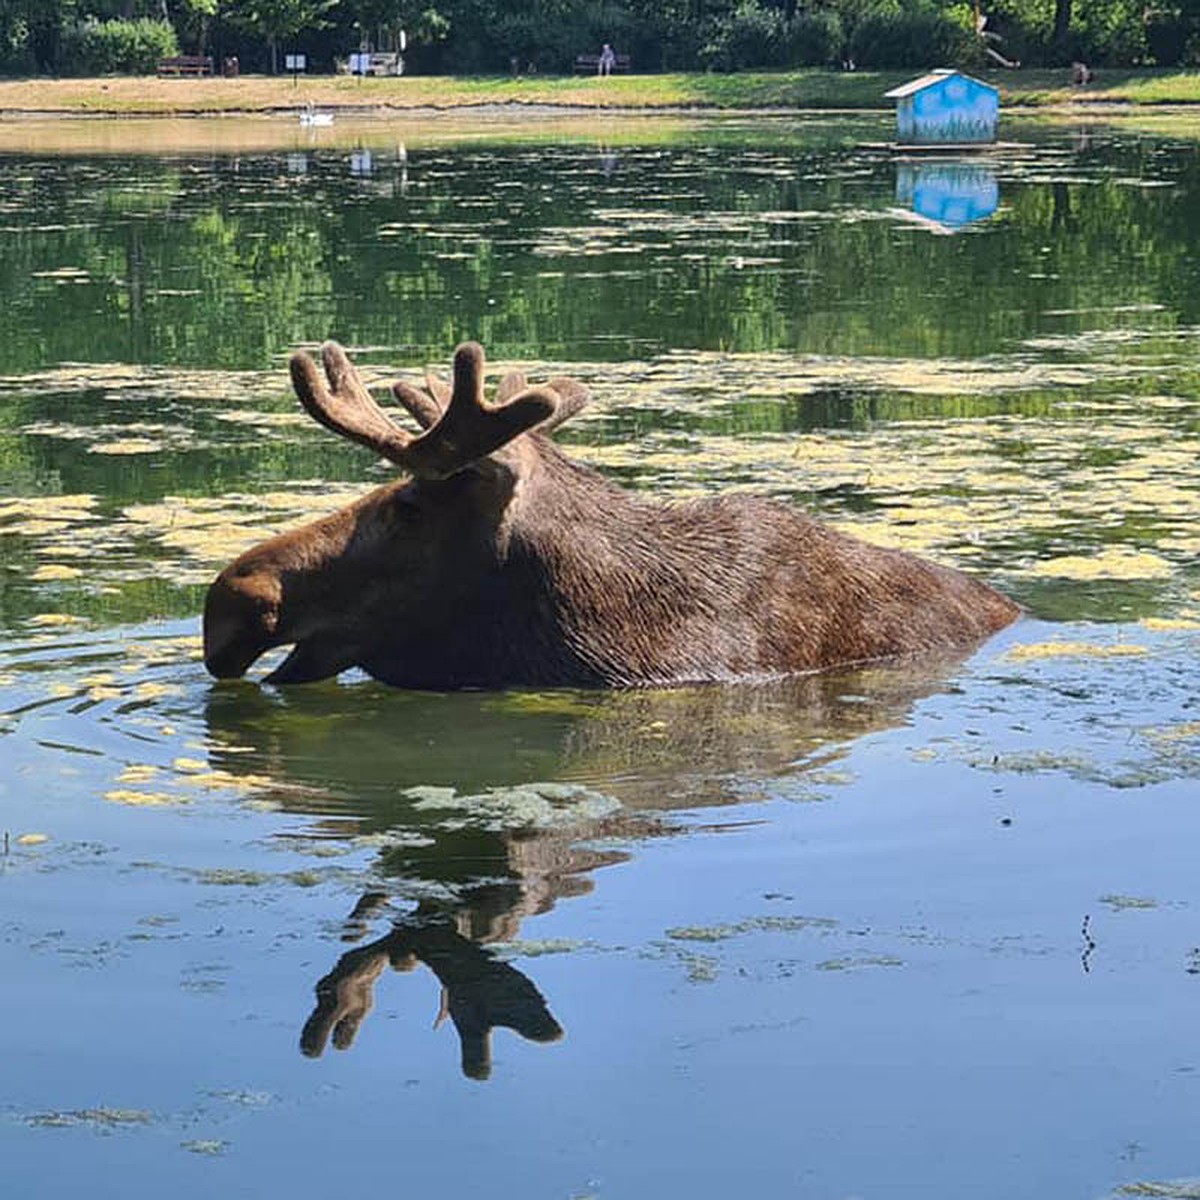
x=605 y=64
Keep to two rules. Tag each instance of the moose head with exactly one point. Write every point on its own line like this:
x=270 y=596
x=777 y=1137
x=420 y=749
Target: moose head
x=497 y=561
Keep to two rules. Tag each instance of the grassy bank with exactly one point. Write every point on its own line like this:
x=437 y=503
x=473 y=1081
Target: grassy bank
x=791 y=89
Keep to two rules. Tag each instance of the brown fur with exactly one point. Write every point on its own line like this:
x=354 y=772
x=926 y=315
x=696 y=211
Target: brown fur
x=522 y=567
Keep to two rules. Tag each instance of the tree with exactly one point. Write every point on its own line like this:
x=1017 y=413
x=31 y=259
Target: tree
x=277 y=20
x=1062 y=25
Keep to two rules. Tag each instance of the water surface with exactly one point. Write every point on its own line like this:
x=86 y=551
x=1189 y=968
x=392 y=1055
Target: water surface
x=926 y=929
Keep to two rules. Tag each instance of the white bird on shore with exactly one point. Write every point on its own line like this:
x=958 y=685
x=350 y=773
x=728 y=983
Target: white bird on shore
x=311 y=117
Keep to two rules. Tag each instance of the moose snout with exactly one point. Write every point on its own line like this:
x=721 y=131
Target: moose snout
x=241 y=621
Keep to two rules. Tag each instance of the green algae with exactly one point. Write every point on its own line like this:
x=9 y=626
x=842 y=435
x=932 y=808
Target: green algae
x=100 y=1119
x=532 y=806
x=764 y=924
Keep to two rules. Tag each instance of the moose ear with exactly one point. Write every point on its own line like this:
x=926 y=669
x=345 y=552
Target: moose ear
x=511 y=385
x=572 y=396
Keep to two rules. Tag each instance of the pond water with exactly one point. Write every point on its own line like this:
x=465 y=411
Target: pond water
x=928 y=930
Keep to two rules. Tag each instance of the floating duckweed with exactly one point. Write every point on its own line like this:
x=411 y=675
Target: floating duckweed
x=1182 y=1190
x=1110 y=563
x=209 y=1146
x=1119 y=903
x=104 y=1119
x=536 y=805
x=126 y=446
x=829 y=778
x=549 y=703
x=240 y=877
x=67 y=507
x=54 y=621
x=853 y=964
x=1036 y=650
x=702 y=933
x=719 y=933
x=233 y=877
x=1186 y=731
x=701 y=968
x=393 y=839
x=536 y=949
x=54 y=573
x=143 y=799
x=243 y=1098
x=137 y=773
x=1034 y=761
x=1167 y=624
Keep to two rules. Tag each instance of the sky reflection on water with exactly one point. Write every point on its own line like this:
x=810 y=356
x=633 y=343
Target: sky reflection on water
x=927 y=929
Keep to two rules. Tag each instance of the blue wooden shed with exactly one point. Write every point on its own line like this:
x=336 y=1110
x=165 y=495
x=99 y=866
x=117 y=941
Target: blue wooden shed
x=945 y=108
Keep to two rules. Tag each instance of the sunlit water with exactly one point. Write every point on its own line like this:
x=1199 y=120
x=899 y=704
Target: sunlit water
x=924 y=930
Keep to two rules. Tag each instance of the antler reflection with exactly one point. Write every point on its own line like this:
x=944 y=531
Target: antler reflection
x=479 y=991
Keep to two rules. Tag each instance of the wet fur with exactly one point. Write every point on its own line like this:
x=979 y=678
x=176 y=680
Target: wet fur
x=529 y=569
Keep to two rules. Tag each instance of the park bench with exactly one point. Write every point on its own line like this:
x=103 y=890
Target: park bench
x=186 y=64
x=589 y=64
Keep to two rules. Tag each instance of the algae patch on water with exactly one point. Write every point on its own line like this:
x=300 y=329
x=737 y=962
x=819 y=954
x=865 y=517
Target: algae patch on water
x=1067 y=649
x=1170 y=1190
x=766 y=924
x=212 y=1147
x=988 y=463
x=102 y=1120
x=1120 y=903
x=532 y=806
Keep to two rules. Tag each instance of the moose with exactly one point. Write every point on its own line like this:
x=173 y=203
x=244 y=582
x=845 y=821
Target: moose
x=498 y=561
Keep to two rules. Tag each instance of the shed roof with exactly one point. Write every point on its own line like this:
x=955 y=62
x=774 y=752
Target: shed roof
x=937 y=76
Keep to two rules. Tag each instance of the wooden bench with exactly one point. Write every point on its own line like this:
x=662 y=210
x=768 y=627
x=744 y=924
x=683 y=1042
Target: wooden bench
x=186 y=64
x=589 y=64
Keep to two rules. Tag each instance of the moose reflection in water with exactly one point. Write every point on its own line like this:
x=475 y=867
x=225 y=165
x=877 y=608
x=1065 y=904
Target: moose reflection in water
x=479 y=992
x=470 y=849
x=501 y=562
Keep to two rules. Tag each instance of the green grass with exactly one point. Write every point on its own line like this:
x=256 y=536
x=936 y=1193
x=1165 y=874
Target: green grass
x=807 y=89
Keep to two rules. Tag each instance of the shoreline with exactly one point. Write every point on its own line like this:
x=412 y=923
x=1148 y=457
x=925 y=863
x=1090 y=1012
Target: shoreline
x=809 y=91
x=535 y=109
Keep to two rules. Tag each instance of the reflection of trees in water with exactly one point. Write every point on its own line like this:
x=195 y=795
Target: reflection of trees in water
x=349 y=755
x=232 y=265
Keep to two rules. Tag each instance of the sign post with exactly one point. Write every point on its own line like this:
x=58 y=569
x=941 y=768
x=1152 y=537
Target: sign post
x=295 y=63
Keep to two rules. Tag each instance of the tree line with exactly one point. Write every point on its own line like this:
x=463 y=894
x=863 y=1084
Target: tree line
x=82 y=37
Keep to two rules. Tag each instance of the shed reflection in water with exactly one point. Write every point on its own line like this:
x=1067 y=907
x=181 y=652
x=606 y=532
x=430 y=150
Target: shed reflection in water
x=470 y=848
x=950 y=195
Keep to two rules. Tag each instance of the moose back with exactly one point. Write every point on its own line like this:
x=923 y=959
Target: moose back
x=498 y=561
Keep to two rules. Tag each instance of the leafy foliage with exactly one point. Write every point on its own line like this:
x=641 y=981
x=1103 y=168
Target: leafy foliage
x=489 y=36
x=817 y=38
x=112 y=47
x=749 y=36
x=918 y=35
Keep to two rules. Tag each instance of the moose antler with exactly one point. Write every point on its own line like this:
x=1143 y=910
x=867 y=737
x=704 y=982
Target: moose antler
x=468 y=429
x=427 y=409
